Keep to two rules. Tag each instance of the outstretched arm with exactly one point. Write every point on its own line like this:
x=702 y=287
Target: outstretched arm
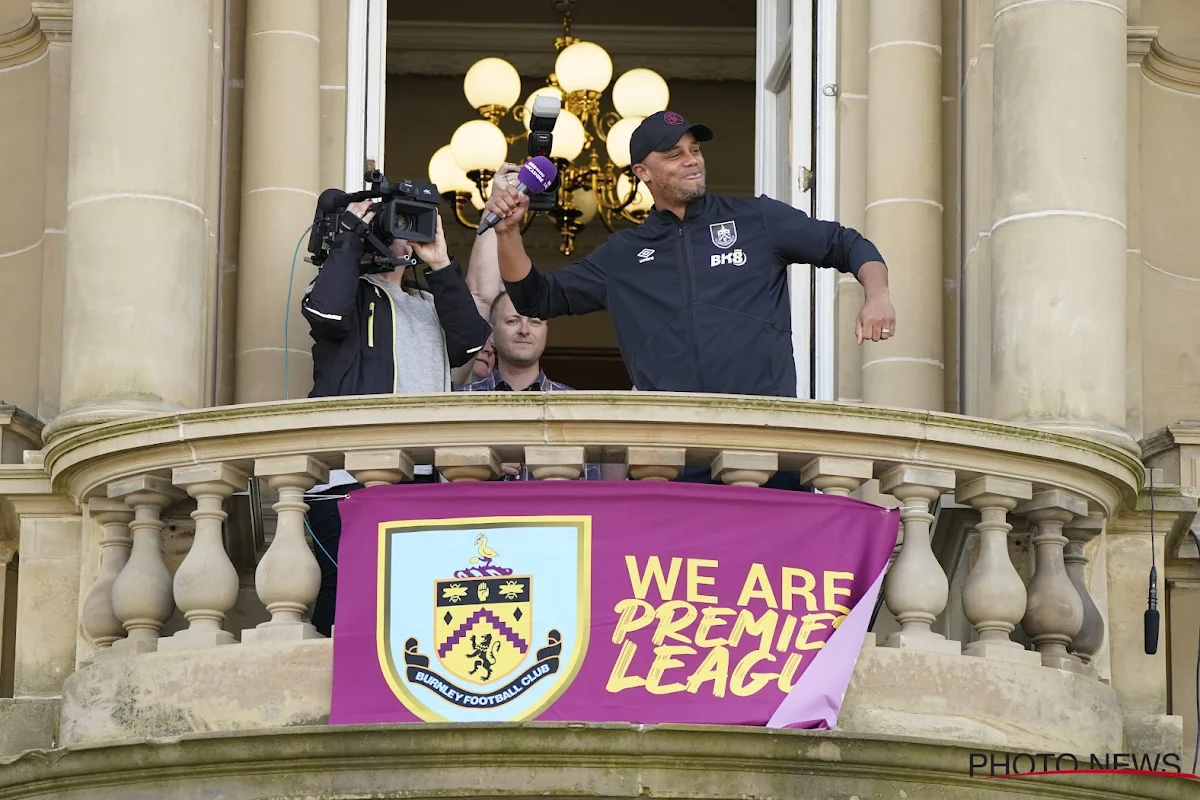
x=800 y=239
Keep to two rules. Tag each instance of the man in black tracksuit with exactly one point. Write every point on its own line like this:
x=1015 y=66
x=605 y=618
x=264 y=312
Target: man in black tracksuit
x=698 y=293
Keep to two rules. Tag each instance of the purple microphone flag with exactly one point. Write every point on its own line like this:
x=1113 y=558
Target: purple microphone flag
x=537 y=174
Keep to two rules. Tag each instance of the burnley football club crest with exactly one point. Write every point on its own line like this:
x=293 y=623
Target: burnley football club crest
x=464 y=635
x=724 y=234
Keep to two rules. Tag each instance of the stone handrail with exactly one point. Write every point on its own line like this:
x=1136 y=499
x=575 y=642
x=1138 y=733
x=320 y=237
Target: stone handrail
x=81 y=463
x=127 y=477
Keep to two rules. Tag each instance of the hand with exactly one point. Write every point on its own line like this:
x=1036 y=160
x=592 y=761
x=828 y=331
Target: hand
x=506 y=202
x=876 y=319
x=506 y=175
x=510 y=470
x=432 y=253
x=359 y=210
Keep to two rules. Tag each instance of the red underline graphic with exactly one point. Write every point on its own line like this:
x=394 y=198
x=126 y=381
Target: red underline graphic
x=1187 y=775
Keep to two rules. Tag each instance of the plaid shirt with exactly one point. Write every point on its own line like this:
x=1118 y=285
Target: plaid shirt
x=495 y=383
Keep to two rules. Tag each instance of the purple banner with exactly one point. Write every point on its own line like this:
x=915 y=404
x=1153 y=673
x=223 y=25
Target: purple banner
x=593 y=601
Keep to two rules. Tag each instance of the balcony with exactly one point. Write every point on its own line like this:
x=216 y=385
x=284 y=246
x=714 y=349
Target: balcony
x=147 y=678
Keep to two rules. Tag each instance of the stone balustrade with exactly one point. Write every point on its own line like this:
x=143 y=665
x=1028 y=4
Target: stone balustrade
x=1044 y=633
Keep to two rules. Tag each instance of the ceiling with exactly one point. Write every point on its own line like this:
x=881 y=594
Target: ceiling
x=689 y=13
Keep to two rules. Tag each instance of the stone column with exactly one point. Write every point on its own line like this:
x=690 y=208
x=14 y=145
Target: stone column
x=852 y=182
x=1170 y=272
x=24 y=91
x=133 y=312
x=335 y=17
x=1058 y=200
x=56 y=22
x=280 y=181
x=904 y=199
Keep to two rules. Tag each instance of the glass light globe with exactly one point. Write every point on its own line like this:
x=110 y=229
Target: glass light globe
x=553 y=91
x=446 y=174
x=478 y=144
x=587 y=202
x=476 y=198
x=639 y=93
x=568 y=137
x=618 y=140
x=642 y=202
x=583 y=66
x=492 y=82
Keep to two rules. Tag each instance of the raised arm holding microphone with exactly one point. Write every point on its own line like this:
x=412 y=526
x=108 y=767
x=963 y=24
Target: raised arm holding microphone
x=698 y=292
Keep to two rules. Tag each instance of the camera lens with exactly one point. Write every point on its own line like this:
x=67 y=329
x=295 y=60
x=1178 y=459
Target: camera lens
x=405 y=222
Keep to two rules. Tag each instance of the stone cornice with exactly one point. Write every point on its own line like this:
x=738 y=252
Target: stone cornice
x=85 y=460
x=56 y=19
x=692 y=53
x=535 y=759
x=1138 y=39
x=1183 y=433
x=1171 y=70
x=21 y=423
x=22 y=45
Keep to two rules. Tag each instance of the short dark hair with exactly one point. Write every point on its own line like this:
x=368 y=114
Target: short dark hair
x=495 y=304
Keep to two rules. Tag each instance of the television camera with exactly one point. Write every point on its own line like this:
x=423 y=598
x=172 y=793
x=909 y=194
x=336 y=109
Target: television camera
x=406 y=210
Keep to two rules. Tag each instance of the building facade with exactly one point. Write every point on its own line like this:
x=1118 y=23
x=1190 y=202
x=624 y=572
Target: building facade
x=1027 y=168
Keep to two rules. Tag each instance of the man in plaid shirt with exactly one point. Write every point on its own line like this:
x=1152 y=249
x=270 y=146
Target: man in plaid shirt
x=519 y=342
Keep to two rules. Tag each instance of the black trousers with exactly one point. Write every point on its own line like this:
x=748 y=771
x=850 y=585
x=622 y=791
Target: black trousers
x=325 y=523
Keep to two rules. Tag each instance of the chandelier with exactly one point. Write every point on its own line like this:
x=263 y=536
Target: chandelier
x=591 y=186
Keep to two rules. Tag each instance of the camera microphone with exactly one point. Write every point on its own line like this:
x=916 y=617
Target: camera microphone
x=331 y=200
x=535 y=177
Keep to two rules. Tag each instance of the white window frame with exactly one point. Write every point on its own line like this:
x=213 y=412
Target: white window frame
x=366 y=88
x=812 y=291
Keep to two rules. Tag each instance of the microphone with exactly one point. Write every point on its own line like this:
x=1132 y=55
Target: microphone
x=332 y=199
x=535 y=177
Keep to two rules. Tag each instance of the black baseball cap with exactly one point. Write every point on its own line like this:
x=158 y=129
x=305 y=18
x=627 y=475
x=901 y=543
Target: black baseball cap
x=662 y=131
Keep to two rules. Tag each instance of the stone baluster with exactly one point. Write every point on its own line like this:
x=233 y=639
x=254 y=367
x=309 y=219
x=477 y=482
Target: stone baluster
x=745 y=467
x=916 y=587
x=1079 y=532
x=554 y=462
x=837 y=476
x=206 y=583
x=655 y=463
x=1054 y=612
x=288 y=575
x=141 y=594
x=994 y=594
x=379 y=467
x=100 y=624
x=466 y=464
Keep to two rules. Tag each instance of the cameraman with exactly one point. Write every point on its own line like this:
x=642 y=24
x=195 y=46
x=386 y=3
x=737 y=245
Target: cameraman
x=381 y=334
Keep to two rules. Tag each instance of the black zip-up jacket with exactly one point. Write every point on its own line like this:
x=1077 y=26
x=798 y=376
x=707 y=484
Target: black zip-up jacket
x=351 y=323
x=700 y=305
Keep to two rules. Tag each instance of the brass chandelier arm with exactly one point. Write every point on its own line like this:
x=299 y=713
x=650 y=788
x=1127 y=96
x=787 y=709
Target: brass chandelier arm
x=461 y=201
